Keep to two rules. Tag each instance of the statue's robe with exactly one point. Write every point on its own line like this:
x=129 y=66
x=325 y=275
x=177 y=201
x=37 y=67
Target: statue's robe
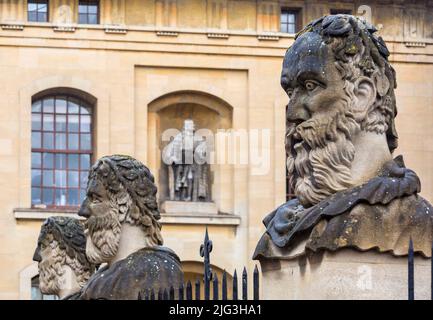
x=382 y=214
x=146 y=269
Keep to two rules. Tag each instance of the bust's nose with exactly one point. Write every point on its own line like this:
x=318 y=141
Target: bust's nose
x=296 y=112
x=36 y=255
x=84 y=209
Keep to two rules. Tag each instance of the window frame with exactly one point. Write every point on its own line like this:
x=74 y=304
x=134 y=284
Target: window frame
x=37 y=2
x=82 y=103
x=89 y=3
x=297 y=12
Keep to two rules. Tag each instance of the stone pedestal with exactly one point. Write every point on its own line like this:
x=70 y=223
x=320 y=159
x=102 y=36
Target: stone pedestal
x=346 y=274
x=182 y=207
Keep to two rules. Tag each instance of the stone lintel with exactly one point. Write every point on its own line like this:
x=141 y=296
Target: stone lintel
x=26 y=214
x=189 y=207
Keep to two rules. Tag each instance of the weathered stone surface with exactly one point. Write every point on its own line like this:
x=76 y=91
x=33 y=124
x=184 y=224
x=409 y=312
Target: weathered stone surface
x=188 y=169
x=145 y=269
x=343 y=275
x=189 y=207
x=61 y=255
x=350 y=192
x=383 y=214
x=123 y=231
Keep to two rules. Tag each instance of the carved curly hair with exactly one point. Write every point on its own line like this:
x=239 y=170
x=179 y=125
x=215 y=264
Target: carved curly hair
x=132 y=185
x=70 y=242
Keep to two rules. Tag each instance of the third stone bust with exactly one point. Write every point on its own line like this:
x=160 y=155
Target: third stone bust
x=340 y=137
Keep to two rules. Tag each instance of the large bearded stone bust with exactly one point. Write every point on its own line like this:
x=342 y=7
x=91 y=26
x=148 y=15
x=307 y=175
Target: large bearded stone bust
x=61 y=255
x=123 y=231
x=340 y=136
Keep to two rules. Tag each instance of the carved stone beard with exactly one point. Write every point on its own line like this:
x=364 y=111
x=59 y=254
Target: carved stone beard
x=320 y=153
x=51 y=271
x=103 y=235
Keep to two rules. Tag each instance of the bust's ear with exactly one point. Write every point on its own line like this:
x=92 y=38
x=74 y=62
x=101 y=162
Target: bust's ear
x=365 y=92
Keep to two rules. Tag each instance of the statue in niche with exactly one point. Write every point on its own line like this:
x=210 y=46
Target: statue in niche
x=188 y=168
x=123 y=231
x=340 y=137
x=61 y=255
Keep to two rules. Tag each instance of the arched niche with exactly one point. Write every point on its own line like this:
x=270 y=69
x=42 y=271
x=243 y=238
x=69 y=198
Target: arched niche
x=208 y=112
x=194 y=270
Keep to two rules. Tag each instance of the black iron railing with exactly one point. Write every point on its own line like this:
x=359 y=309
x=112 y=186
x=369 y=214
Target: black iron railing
x=210 y=280
x=411 y=272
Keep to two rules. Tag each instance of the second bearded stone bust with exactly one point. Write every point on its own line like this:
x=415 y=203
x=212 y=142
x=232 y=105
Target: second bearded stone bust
x=123 y=231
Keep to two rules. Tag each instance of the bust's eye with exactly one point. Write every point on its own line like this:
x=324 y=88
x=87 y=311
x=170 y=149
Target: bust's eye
x=289 y=92
x=94 y=199
x=310 y=85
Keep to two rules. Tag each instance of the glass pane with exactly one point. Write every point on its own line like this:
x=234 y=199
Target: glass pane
x=32 y=17
x=36 y=159
x=60 y=197
x=73 y=106
x=48 y=160
x=48 y=122
x=73 y=141
x=93 y=19
x=61 y=105
x=36 y=178
x=48 y=105
x=42 y=17
x=47 y=195
x=283 y=27
x=32 y=7
x=83 y=178
x=48 y=140
x=42 y=7
x=291 y=18
x=61 y=141
x=291 y=28
x=284 y=17
x=82 y=18
x=72 y=178
x=86 y=141
x=60 y=123
x=82 y=8
x=60 y=161
x=73 y=161
x=85 y=110
x=85 y=161
x=73 y=124
x=37 y=106
x=36 y=139
x=36 y=195
x=73 y=196
x=85 y=124
x=92 y=9
x=82 y=194
x=36 y=121
x=60 y=178
x=47 y=178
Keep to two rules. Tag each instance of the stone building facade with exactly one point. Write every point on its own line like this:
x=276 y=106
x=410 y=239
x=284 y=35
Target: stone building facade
x=83 y=79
